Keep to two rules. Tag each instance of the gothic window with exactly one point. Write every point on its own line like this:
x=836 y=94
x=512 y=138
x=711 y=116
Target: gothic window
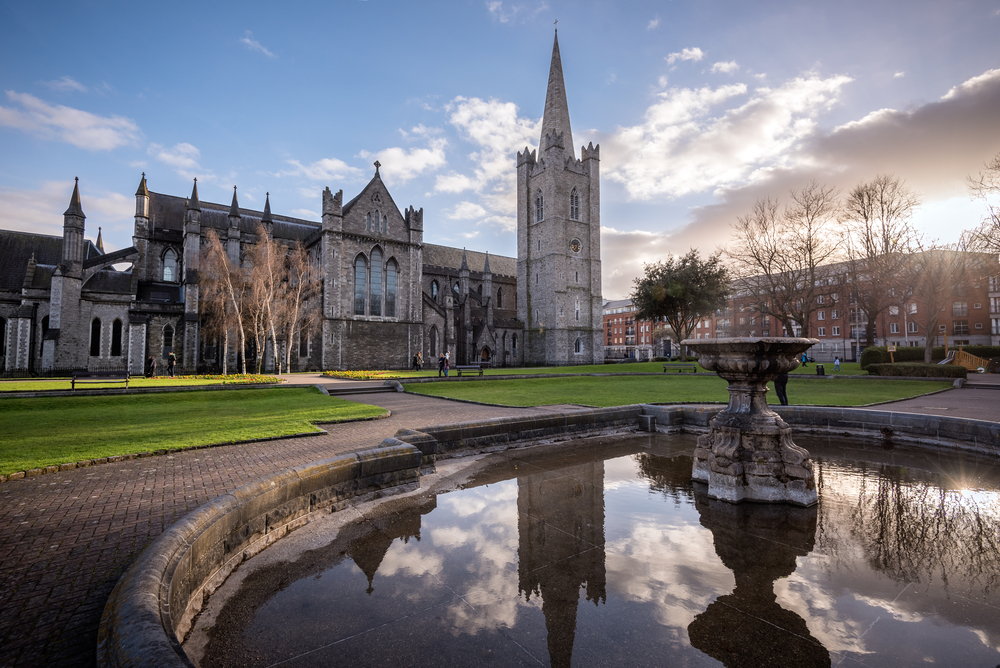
x=578 y=310
x=168 y=340
x=539 y=208
x=434 y=291
x=95 y=337
x=578 y=346
x=116 y=338
x=574 y=205
x=434 y=341
x=455 y=288
x=375 y=291
x=385 y=223
x=303 y=343
x=360 y=284
x=513 y=344
x=377 y=224
x=368 y=221
x=170 y=266
x=3 y=336
x=480 y=290
x=499 y=298
x=390 y=289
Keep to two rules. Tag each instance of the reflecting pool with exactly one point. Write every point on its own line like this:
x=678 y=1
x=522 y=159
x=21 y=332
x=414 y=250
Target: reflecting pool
x=603 y=552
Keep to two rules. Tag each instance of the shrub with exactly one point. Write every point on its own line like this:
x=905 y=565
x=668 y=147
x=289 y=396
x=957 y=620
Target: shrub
x=661 y=359
x=914 y=370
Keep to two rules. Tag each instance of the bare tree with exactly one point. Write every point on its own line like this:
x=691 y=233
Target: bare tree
x=227 y=289
x=986 y=186
x=267 y=259
x=297 y=297
x=779 y=256
x=879 y=239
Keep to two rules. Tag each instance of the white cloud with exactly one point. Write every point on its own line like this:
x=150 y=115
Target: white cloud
x=727 y=67
x=327 y=169
x=682 y=147
x=254 y=45
x=73 y=126
x=40 y=210
x=306 y=213
x=899 y=75
x=467 y=211
x=399 y=165
x=693 y=54
x=184 y=158
x=66 y=84
x=508 y=13
x=653 y=24
x=623 y=252
x=987 y=78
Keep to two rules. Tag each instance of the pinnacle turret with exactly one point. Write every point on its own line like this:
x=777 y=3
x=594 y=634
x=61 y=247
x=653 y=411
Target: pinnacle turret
x=100 y=241
x=142 y=190
x=194 y=204
x=234 y=209
x=556 y=117
x=266 y=218
x=75 y=209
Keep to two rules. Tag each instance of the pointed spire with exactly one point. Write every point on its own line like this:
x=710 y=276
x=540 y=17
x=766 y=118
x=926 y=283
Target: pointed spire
x=234 y=210
x=465 y=264
x=486 y=266
x=74 y=202
x=142 y=191
x=556 y=118
x=266 y=218
x=100 y=241
x=194 y=203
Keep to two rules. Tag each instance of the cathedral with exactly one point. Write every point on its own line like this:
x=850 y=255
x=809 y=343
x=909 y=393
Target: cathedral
x=385 y=294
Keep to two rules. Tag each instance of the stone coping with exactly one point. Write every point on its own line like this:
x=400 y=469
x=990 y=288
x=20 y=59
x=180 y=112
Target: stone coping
x=791 y=376
x=101 y=392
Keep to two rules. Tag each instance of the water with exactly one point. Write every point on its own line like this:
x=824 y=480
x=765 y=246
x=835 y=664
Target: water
x=604 y=552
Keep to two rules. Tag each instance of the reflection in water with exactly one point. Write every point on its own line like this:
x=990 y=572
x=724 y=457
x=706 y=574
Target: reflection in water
x=560 y=529
x=759 y=543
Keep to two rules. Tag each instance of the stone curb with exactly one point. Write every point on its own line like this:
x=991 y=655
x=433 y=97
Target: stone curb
x=528 y=376
x=55 y=468
x=36 y=394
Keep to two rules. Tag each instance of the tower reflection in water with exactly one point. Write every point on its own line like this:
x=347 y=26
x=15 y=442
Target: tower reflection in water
x=560 y=550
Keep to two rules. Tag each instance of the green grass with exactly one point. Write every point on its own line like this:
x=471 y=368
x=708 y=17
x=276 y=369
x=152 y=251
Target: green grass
x=36 y=385
x=56 y=430
x=621 y=390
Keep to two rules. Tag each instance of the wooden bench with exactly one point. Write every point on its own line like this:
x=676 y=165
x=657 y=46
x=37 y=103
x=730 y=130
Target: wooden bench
x=469 y=368
x=680 y=368
x=99 y=377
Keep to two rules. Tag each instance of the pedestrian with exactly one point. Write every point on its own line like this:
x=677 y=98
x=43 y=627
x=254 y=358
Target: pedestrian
x=171 y=361
x=151 y=367
x=836 y=363
x=805 y=360
x=441 y=361
x=416 y=365
x=420 y=361
x=447 y=364
x=780 y=383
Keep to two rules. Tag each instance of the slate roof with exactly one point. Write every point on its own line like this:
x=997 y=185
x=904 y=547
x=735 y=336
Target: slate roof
x=451 y=258
x=167 y=212
x=16 y=249
x=110 y=281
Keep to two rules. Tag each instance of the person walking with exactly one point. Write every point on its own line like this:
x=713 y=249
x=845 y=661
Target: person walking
x=805 y=360
x=171 y=361
x=441 y=361
x=416 y=366
x=780 y=383
x=836 y=363
x=447 y=364
x=420 y=361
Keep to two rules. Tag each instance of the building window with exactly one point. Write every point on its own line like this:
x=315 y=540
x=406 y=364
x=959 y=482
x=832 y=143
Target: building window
x=961 y=327
x=822 y=331
x=499 y=298
x=368 y=221
x=170 y=266
x=390 y=289
x=385 y=223
x=977 y=305
x=979 y=325
x=894 y=328
x=454 y=288
x=168 y=340
x=375 y=291
x=539 y=207
x=834 y=314
x=303 y=343
x=434 y=291
x=819 y=299
x=513 y=344
x=942 y=328
x=911 y=327
x=360 y=284
x=836 y=330
x=821 y=315
x=960 y=308
x=574 y=205
x=116 y=338
x=578 y=346
x=911 y=308
x=893 y=310
x=95 y=337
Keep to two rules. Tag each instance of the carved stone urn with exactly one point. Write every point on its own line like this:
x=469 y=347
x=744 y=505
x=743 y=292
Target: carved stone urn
x=748 y=454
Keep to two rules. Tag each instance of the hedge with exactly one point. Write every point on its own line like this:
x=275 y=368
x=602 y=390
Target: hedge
x=879 y=354
x=913 y=370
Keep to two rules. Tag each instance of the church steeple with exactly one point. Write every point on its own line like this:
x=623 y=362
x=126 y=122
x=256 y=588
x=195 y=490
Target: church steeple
x=556 y=117
x=194 y=204
x=234 y=208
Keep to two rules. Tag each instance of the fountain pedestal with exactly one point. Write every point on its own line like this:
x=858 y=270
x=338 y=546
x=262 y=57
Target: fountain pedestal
x=748 y=454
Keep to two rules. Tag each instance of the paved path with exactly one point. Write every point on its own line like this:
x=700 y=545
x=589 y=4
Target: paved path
x=66 y=538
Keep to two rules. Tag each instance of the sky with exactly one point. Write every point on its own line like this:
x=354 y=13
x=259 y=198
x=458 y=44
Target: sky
x=700 y=108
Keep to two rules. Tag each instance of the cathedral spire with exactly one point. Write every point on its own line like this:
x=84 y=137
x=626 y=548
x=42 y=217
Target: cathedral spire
x=234 y=208
x=75 y=208
x=194 y=204
x=100 y=241
x=556 y=118
x=266 y=218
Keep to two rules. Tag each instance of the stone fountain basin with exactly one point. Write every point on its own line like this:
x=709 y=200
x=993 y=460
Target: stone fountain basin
x=764 y=357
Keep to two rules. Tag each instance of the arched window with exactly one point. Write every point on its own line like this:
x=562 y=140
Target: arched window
x=360 y=284
x=375 y=291
x=499 y=298
x=303 y=343
x=376 y=223
x=434 y=291
x=434 y=341
x=170 y=266
x=574 y=205
x=385 y=223
x=480 y=289
x=513 y=344
x=455 y=288
x=168 y=340
x=3 y=336
x=116 y=338
x=368 y=221
x=95 y=337
x=390 y=289
x=539 y=208
x=578 y=346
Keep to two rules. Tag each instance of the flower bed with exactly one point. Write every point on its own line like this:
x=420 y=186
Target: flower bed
x=232 y=379
x=362 y=375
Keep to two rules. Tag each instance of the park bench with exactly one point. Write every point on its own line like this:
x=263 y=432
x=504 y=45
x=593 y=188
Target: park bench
x=680 y=368
x=469 y=369
x=99 y=377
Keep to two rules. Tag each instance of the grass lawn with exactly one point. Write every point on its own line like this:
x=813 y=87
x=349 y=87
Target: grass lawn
x=33 y=385
x=56 y=430
x=621 y=390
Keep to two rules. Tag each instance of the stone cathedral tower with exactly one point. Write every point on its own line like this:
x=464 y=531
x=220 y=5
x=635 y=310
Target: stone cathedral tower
x=559 y=240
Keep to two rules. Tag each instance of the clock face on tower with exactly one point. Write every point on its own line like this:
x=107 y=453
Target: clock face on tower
x=575 y=245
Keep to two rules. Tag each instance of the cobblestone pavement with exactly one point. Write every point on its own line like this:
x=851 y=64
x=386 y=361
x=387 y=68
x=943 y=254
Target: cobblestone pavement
x=66 y=538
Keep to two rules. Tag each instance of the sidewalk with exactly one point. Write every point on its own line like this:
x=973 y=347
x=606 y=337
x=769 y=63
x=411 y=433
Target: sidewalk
x=66 y=538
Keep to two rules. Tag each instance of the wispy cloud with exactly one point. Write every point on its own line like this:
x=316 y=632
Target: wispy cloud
x=399 y=165
x=73 y=126
x=184 y=158
x=653 y=24
x=899 y=75
x=467 y=211
x=249 y=42
x=509 y=13
x=728 y=67
x=326 y=170
x=40 y=210
x=66 y=84
x=693 y=54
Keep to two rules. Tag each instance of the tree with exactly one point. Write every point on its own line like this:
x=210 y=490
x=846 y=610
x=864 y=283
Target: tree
x=778 y=257
x=267 y=270
x=879 y=239
x=226 y=287
x=986 y=237
x=680 y=291
x=929 y=277
x=297 y=296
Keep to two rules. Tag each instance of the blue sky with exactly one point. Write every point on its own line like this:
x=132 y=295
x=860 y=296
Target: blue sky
x=699 y=107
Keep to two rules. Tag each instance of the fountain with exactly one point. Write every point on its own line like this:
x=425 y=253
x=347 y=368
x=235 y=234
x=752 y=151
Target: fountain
x=748 y=454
